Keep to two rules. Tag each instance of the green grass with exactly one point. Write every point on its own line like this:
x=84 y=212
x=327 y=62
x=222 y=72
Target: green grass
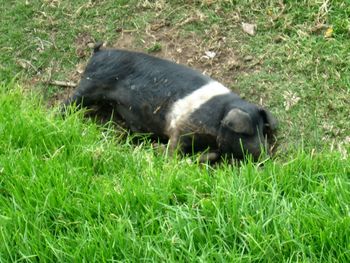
x=72 y=190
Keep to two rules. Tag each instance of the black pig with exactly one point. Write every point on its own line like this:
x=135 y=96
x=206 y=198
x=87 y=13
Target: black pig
x=174 y=102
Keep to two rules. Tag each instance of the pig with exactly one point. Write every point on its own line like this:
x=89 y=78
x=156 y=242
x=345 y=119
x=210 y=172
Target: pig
x=174 y=103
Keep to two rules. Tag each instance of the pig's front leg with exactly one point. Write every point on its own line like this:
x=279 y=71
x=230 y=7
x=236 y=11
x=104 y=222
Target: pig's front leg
x=173 y=144
x=180 y=142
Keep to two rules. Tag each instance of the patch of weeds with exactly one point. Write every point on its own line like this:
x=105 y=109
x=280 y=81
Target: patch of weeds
x=155 y=48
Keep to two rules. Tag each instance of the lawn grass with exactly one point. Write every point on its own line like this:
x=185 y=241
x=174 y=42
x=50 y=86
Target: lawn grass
x=72 y=190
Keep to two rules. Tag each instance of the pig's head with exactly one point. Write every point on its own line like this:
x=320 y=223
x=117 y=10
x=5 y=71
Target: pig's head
x=246 y=129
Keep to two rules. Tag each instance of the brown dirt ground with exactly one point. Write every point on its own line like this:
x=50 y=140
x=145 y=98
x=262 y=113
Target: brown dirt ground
x=212 y=54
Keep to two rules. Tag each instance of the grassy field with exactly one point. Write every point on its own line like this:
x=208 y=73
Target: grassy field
x=72 y=190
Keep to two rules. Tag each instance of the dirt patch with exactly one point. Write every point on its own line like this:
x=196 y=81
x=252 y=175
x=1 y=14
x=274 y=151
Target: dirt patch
x=212 y=56
x=210 y=53
x=83 y=43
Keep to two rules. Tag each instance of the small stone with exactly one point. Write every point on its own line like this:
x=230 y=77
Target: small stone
x=210 y=54
x=250 y=29
x=91 y=45
x=248 y=58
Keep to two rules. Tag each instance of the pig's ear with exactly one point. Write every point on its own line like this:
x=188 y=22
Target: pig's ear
x=270 y=122
x=239 y=122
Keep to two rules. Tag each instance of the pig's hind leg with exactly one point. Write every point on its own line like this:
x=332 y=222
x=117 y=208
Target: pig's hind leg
x=84 y=96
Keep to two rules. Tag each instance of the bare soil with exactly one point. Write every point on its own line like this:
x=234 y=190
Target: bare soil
x=211 y=53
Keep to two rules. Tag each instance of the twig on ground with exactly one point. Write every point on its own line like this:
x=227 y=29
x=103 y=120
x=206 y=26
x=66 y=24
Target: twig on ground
x=68 y=84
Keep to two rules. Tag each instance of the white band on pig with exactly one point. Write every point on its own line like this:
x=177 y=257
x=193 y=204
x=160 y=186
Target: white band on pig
x=182 y=108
